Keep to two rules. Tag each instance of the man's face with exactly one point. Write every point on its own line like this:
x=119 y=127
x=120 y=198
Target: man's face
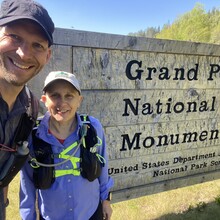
x=23 y=51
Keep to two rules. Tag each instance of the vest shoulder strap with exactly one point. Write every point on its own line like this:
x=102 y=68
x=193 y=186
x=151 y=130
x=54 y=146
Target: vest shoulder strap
x=43 y=177
x=27 y=119
x=91 y=137
x=85 y=119
x=40 y=146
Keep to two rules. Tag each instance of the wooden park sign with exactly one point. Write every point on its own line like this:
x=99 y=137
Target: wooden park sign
x=158 y=102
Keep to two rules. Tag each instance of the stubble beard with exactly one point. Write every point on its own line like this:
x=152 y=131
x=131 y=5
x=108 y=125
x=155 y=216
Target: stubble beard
x=11 y=77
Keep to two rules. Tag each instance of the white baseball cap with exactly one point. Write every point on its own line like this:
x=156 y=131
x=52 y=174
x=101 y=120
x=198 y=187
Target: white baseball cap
x=56 y=75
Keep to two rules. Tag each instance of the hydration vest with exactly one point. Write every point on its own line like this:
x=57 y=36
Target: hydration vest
x=19 y=151
x=91 y=162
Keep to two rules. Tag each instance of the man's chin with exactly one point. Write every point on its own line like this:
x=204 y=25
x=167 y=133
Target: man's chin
x=16 y=83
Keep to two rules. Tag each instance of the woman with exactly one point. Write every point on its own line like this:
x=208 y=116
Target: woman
x=70 y=196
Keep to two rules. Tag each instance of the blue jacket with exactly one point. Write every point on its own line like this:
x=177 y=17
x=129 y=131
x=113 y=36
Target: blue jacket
x=70 y=197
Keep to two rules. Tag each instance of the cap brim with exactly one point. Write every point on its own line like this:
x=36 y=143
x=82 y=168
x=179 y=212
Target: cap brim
x=7 y=20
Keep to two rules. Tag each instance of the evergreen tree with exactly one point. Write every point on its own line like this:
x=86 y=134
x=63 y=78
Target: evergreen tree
x=149 y=32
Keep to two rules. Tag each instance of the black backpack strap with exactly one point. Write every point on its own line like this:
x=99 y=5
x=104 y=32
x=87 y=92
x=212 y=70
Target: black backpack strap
x=27 y=120
x=43 y=177
x=91 y=137
x=24 y=129
x=91 y=166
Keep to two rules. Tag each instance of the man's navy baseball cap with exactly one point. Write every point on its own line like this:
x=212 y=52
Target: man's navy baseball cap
x=12 y=10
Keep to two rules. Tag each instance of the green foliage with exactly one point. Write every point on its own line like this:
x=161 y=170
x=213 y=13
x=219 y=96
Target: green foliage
x=217 y=199
x=192 y=26
x=201 y=206
x=191 y=207
x=196 y=25
x=149 y=32
x=214 y=20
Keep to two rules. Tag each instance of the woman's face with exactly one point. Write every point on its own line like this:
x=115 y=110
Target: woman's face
x=62 y=100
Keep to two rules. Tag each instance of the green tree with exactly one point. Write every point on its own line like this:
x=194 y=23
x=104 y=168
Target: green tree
x=192 y=26
x=196 y=25
x=149 y=32
x=214 y=20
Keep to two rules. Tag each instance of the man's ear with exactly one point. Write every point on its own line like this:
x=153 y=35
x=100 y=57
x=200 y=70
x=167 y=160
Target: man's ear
x=48 y=55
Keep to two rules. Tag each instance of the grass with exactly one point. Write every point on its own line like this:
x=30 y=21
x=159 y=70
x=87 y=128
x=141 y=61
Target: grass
x=12 y=211
x=197 y=202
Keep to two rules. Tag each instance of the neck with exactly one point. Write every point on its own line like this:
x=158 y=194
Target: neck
x=9 y=93
x=62 y=130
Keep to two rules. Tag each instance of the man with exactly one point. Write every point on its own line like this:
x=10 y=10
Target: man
x=25 y=38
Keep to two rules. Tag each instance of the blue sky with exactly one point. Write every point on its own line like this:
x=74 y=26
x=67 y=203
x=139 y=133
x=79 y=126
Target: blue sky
x=119 y=16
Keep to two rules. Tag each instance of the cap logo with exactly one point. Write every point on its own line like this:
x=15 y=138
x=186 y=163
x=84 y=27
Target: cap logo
x=62 y=74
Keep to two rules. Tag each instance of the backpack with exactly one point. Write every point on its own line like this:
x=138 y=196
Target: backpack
x=20 y=152
x=90 y=165
x=43 y=177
